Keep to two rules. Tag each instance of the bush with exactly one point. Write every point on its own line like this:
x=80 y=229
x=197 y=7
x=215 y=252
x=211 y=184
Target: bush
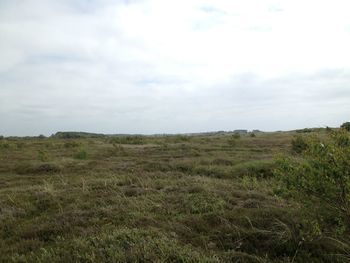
x=299 y=144
x=4 y=145
x=346 y=126
x=322 y=174
x=236 y=136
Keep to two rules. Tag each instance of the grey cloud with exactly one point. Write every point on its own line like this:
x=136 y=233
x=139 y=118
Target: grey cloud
x=294 y=100
x=70 y=65
x=325 y=85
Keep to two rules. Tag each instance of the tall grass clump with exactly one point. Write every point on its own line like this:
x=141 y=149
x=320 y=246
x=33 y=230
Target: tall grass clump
x=232 y=140
x=4 y=144
x=42 y=156
x=81 y=155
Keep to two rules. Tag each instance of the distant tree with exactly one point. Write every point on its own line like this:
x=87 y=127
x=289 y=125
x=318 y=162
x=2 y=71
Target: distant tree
x=346 y=126
x=1 y=137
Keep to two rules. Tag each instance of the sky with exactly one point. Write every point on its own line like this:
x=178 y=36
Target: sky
x=161 y=66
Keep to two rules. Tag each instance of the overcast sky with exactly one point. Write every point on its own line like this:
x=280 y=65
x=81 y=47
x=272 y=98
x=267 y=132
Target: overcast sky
x=161 y=66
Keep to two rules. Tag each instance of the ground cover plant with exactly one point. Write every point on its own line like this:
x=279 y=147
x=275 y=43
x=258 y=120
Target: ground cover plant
x=79 y=197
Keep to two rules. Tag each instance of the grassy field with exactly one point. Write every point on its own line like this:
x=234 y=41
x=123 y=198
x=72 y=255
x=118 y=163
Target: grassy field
x=203 y=198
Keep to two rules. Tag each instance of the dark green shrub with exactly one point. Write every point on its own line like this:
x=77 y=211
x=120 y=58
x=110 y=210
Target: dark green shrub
x=4 y=145
x=299 y=144
x=346 y=126
x=236 y=136
x=322 y=174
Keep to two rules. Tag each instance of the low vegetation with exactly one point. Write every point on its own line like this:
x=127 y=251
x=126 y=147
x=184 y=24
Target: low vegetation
x=346 y=126
x=271 y=197
x=321 y=177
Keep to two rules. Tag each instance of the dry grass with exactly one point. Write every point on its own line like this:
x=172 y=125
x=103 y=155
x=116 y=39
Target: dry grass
x=151 y=199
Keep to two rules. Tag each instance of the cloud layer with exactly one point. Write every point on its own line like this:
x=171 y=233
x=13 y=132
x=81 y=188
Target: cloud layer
x=172 y=66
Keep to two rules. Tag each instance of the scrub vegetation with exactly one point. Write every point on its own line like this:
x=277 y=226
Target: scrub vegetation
x=255 y=197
